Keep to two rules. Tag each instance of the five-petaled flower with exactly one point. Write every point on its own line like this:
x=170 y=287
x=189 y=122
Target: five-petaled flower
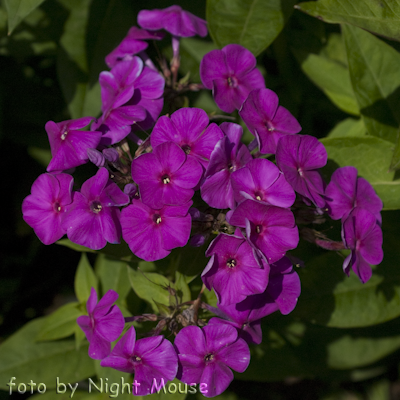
x=103 y=325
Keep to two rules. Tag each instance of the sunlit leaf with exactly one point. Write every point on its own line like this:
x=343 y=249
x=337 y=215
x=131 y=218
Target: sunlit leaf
x=382 y=17
x=27 y=360
x=17 y=10
x=376 y=81
x=251 y=23
x=85 y=279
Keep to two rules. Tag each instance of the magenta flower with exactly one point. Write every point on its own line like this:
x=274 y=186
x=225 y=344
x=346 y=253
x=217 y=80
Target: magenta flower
x=281 y=294
x=232 y=74
x=174 y=20
x=228 y=156
x=117 y=88
x=267 y=120
x=262 y=181
x=153 y=360
x=166 y=176
x=363 y=236
x=189 y=129
x=206 y=356
x=233 y=271
x=103 y=325
x=133 y=43
x=68 y=144
x=299 y=157
x=345 y=192
x=152 y=234
x=44 y=209
x=270 y=229
x=93 y=218
x=148 y=93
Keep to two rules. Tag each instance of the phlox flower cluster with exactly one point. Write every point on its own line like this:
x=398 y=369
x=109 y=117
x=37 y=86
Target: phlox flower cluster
x=194 y=180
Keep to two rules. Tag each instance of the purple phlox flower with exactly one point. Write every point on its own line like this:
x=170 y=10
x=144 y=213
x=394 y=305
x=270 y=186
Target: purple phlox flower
x=68 y=144
x=270 y=229
x=281 y=294
x=299 y=157
x=228 y=156
x=152 y=234
x=345 y=192
x=149 y=91
x=206 y=356
x=233 y=271
x=133 y=43
x=153 y=360
x=267 y=120
x=362 y=234
x=117 y=88
x=232 y=74
x=166 y=176
x=174 y=20
x=44 y=209
x=262 y=181
x=93 y=218
x=103 y=325
x=189 y=129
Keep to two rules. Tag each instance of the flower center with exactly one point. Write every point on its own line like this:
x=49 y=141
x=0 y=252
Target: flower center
x=258 y=228
x=258 y=195
x=136 y=359
x=165 y=179
x=57 y=206
x=96 y=206
x=232 y=81
x=209 y=357
x=300 y=171
x=231 y=263
x=64 y=135
x=157 y=218
x=186 y=148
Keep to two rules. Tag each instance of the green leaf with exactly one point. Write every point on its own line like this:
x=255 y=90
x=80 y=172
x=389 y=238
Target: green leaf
x=27 y=360
x=332 y=78
x=182 y=288
x=395 y=163
x=150 y=286
x=113 y=275
x=61 y=323
x=371 y=156
x=74 y=246
x=85 y=279
x=42 y=156
x=192 y=52
x=349 y=127
x=376 y=81
x=253 y=24
x=17 y=10
x=352 y=352
x=329 y=297
x=72 y=63
x=382 y=17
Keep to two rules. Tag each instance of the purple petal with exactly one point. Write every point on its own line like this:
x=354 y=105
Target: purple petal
x=239 y=60
x=236 y=355
x=93 y=187
x=99 y=348
x=92 y=301
x=111 y=325
x=190 y=368
x=218 y=337
x=217 y=377
x=213 y=66
x=191 y=341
